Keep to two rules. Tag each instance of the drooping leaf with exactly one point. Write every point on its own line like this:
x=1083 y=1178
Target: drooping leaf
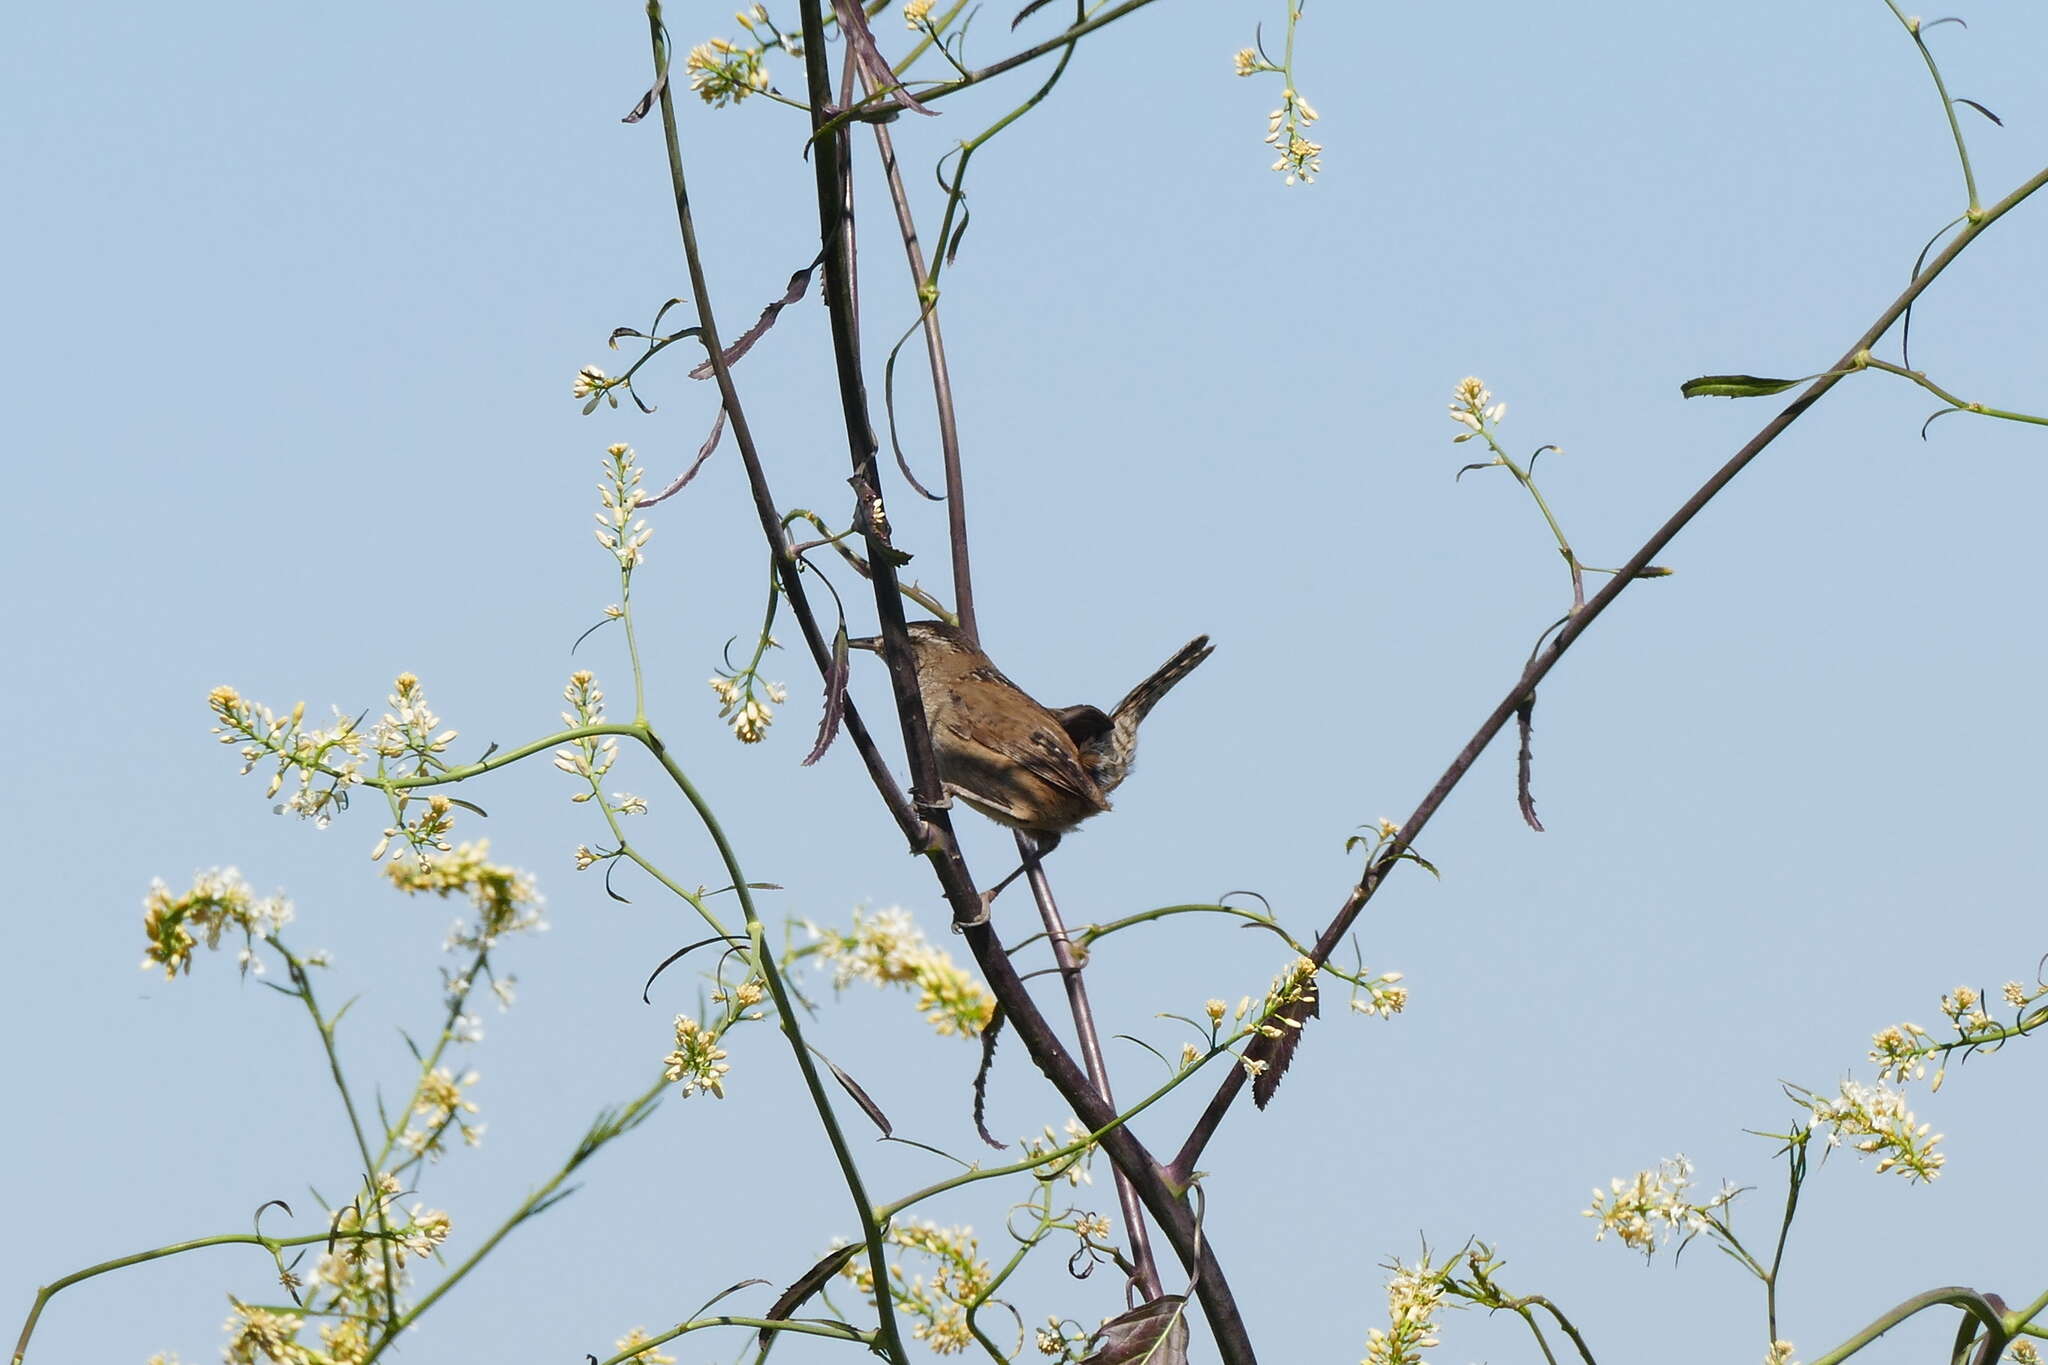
x=1525 y=716
x=679 y=954
x=1278 y=1053
x=988 y=1057
x=835 y=697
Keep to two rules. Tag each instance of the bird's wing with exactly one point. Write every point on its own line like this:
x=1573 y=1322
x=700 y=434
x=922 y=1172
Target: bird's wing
x=1045 y=753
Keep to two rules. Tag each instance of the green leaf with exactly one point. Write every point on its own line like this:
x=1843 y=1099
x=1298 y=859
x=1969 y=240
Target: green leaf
x=1734 y=386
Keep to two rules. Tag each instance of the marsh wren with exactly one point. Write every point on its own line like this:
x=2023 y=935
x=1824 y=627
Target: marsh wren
x=1021 y=764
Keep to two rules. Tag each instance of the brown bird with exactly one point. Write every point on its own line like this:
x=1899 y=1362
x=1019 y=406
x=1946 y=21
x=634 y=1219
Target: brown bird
x=1017 y=762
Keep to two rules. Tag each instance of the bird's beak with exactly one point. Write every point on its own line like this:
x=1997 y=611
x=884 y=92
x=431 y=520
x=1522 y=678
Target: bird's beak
x=871 y=643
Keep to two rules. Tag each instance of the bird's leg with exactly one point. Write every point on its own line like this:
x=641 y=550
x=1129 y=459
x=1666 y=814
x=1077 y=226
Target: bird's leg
x=1033 y=847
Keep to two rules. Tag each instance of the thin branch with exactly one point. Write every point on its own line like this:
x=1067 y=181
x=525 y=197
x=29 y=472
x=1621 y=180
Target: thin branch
x=1090 y=1039
x=942 y=390
x=1539 y=667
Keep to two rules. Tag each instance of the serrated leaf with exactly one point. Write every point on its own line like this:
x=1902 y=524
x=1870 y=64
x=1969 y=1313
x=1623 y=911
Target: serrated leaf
x=1278 y=1053
x=805 y=1285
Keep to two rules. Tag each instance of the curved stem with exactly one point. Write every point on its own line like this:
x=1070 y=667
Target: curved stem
x=1948 y=105
x=1956 y=1296
x=44 y=1293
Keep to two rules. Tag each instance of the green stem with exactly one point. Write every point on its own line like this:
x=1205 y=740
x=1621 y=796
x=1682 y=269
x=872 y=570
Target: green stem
x=632 y=645
x=371 y=1165
x=1961 y=405
x=836 y=1331
x=1795 y=1178
x=1955 y=1296
x=932 y=31
x=599 y=1135
x=955 y=195
x=1948 y=105
x=45 y=1293
x=890 y=1339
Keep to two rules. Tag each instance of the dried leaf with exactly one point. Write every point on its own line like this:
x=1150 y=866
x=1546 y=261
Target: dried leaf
x=988 y=1057
x=1525 y=716
x=703 y=454
x=835 y=698
x=860 y=44
x=1154 y=1333
x=807 y=1284
x=798 y=283
x=647 y=100
x=860 y=1096
x=1278 y=1053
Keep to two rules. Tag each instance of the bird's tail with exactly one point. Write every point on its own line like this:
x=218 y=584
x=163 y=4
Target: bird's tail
x=1136 y=706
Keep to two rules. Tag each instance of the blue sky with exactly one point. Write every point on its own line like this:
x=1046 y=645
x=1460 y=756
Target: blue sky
x=297 y=297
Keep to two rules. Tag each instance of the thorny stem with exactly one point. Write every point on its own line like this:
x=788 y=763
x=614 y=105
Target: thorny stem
x=1539 y=666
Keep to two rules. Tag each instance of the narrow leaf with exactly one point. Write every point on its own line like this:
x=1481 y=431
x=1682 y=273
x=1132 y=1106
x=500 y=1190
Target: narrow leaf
x=798 y=283
x=703 y=454
x=1525 y=716
x=1734 y=386
x=988 y=1057
x=860 y=1096
x=1034 y=7
x=679 y=954
x=1982 y=110
x=805 y=1285
x=835 y=697
x=1930 y=421
x=646 y=102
